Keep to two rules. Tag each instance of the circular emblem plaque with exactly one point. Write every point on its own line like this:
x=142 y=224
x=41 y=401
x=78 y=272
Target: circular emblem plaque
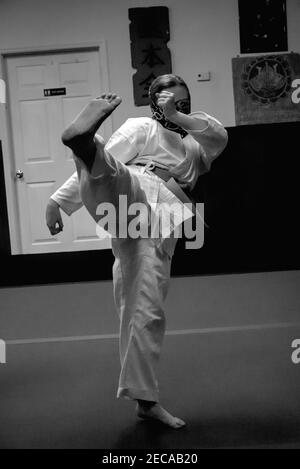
x=267 y=79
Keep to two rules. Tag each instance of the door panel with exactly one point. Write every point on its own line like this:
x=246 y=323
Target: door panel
x=35 y=131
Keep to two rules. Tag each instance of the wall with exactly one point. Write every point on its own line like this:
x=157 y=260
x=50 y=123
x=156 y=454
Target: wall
x=204 y=37
x=250 y=199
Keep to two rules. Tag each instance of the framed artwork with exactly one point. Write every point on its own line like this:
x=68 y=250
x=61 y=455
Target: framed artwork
x=263 y=26
x=266 y=88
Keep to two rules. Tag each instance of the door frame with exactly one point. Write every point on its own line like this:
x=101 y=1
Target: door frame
x=6 y=127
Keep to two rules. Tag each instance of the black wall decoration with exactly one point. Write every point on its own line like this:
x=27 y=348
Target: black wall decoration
x=149 y=33
x=263 y=26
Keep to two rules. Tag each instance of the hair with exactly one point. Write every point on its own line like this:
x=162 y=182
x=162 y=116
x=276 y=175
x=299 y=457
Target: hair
x=166 y=81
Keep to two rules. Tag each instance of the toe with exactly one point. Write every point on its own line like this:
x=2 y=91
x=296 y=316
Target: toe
x=180 y=423
x=117 y=100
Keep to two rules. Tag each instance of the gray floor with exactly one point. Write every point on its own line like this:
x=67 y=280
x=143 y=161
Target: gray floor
x=235 y=389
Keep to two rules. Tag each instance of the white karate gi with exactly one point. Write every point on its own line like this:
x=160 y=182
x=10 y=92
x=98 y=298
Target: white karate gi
x=141 y=270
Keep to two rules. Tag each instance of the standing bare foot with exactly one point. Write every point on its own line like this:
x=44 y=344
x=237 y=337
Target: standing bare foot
x=157 y=412
x=79 y=135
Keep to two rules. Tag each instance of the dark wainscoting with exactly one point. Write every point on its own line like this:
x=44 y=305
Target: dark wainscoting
x=251 y=198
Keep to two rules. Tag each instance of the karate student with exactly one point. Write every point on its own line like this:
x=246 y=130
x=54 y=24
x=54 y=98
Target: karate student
x=138 y=161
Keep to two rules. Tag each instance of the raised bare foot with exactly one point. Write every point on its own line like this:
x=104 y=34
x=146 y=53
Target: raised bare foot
x=157 y=412
x=79 y=135
x=91 y=117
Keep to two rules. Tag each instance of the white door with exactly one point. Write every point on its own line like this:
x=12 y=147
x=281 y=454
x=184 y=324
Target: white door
x=42 y=162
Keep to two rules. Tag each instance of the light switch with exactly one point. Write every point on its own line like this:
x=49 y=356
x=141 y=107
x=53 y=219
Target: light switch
x=204 y=76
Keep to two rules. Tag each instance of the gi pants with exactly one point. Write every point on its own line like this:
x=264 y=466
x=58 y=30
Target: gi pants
x=141 y=274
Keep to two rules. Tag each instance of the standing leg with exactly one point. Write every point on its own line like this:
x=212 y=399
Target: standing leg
x=141 y=278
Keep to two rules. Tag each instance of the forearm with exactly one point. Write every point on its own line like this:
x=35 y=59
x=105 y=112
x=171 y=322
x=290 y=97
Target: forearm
x=188 y=122
x=53 y=202
x=209 y=133
x=206 y=130
x=68 y=195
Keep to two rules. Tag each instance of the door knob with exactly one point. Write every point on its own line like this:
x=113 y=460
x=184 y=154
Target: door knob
x=19 y=174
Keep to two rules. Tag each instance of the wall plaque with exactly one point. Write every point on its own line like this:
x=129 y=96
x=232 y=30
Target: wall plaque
x=149 y=34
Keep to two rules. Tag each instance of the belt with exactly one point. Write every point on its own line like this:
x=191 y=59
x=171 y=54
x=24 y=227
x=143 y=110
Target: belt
x=162 y=173
x=165 y=175
x=172 y=184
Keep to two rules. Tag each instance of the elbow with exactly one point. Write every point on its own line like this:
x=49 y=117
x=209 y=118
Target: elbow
x=219 y=139
x=224 y=138
x=220 y=143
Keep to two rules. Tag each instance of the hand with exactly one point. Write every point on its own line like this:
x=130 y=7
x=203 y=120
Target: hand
x=53 y=217
x=166 y=101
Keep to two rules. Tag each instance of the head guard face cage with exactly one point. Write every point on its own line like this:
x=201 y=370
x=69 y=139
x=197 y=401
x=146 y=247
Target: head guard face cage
x=183 y=106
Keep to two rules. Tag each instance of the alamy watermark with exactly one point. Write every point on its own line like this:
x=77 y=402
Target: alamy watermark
x=296 y=353
x=144 y=220
x=2 y=351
